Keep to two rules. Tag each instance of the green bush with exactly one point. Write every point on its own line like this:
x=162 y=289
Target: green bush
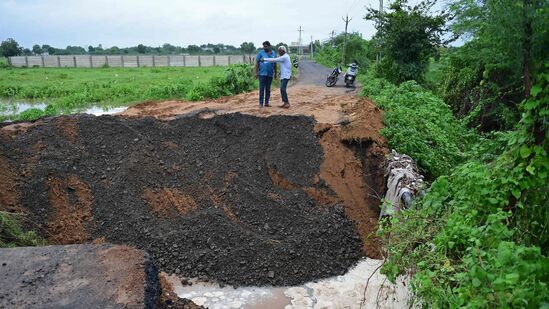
x=419 y=124
x=479 y=238
x=31 y=114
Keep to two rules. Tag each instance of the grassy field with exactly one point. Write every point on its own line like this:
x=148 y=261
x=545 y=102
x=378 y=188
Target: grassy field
x=65 y=90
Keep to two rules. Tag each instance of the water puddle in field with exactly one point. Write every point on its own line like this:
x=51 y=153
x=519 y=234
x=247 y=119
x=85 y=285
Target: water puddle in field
x=98 y=111
x=346 y=291
x=10 y=108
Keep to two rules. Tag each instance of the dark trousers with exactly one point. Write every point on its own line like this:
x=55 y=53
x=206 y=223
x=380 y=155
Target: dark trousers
x=283 y=93
x=264 y=89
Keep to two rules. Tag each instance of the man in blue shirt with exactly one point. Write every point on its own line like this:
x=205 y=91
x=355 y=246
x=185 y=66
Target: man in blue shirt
x=265 y=72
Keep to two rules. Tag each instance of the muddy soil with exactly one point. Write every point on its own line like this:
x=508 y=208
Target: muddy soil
x=234 y=198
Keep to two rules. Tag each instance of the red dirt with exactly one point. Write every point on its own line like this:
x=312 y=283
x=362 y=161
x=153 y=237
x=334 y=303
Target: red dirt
x=280 y=181
x=67 y=224
x=167 y=202
x=129 y=289
x=343 y=172
x=68 y=127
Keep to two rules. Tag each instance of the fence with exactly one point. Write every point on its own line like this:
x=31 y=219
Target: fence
x=126 y=61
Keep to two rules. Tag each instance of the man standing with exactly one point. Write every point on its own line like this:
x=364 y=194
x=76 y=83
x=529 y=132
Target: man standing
x=265 y=72
x=285 y=73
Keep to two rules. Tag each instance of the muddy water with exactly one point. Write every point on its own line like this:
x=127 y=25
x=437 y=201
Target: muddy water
x=347 y=291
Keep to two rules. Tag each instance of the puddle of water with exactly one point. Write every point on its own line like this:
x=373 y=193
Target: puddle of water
x=98 y=111
x=346 y=291
x=9 y=108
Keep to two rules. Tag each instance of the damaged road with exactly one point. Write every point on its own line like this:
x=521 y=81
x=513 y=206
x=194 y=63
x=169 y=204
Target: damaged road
x=236 y=199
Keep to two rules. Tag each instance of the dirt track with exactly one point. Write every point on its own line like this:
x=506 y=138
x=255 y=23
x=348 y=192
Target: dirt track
x=235 y=198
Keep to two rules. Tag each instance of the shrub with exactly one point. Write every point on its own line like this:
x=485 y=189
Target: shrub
x=418 y=124
x=479 y=238
x=11 y=234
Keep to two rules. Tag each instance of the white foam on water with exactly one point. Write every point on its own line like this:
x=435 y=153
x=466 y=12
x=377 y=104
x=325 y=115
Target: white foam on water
x=346 y=291
x=98 y=111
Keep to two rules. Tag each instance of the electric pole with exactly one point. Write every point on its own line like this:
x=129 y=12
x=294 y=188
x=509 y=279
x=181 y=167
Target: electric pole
x=299 y=49
x=332 y=37
x=346 y=20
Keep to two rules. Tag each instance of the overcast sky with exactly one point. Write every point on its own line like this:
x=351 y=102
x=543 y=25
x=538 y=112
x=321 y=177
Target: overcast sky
x=179 y=22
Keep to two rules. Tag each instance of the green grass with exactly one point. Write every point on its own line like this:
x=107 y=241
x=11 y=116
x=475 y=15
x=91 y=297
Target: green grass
x=67 y=90
x=11 y=234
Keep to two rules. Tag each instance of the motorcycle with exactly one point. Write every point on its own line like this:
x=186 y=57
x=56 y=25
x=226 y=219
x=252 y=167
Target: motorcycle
x=331 y=80
x=350 y=76
x=296 y=63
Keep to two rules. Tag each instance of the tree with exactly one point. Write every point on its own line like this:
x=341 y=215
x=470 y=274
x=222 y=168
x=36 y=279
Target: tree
x=36 y=49
x=505 y=48
x=10 y=47
x=48 y=49
x=193 y=49
x=407 y=37
x=248 y=48
x=512 y=33
x=168 y=48
x=216 y=49
x=91 y=49
x=141 y=49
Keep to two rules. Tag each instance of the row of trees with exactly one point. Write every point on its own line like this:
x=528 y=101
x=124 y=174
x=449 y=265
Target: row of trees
x=10 y=47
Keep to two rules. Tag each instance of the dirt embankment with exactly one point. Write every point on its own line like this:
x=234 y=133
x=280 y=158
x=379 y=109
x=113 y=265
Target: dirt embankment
x=195 y=193
x=348 y=127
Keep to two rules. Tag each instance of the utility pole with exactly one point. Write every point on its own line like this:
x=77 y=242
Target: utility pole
x=299 y=49
x=346 y=20
x=332 y=37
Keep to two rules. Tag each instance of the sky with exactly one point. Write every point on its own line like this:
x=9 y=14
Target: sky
x=125 y=23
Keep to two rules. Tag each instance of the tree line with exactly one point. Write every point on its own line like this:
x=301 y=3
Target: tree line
x=11 y=47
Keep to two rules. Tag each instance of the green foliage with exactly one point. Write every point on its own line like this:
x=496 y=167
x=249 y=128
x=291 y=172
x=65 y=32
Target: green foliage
x=506 y=41
x=11 y=234
x=10 y=48
x=407 y=36
x=331 y=53
x=480 y=237
x=418 y=124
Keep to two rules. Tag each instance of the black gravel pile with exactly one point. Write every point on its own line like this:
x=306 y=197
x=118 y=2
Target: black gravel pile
x=276 y=236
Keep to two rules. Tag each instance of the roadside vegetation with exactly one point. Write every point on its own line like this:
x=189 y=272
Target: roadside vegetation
x=69 y=90
x=476 y=120
x=12 y=235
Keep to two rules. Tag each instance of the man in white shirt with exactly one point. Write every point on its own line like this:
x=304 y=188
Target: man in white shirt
x=285 y=73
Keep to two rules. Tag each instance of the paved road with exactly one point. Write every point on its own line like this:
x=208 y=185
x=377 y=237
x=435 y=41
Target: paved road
x=314 y=74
